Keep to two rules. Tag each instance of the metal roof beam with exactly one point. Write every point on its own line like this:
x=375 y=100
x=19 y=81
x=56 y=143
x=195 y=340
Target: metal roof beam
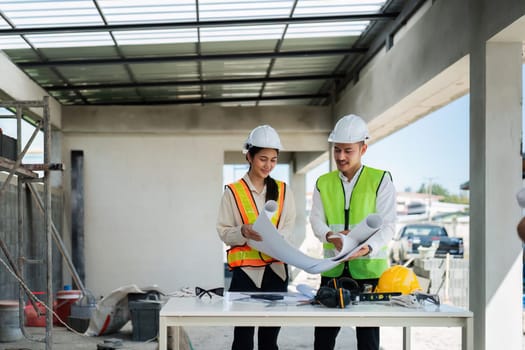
x=193 y=82
x=187 y=58
x=199 y=24
x=211 y=100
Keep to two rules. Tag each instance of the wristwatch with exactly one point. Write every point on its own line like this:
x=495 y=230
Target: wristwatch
x=369 y=249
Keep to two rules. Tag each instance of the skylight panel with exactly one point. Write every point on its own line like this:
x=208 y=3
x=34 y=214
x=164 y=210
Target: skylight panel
x=4 y=24
x=51 y=13
x=235 y=9
x=12 y=42
x=139 y=11
x=71 y=39
x=239 y=33
x=331 y=29
x=168 y=36
x=336 y=7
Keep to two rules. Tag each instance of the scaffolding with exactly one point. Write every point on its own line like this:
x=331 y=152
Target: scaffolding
x=26 y=176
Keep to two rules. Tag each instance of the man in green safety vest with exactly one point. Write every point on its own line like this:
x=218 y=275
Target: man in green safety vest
x=343 y=198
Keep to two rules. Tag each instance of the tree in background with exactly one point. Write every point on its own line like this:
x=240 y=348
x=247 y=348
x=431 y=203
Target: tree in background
x=438 y=190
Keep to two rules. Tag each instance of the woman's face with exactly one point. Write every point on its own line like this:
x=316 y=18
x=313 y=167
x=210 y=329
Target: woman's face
x=263 y=162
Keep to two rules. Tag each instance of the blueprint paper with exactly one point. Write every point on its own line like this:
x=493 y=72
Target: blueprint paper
x=275 y=246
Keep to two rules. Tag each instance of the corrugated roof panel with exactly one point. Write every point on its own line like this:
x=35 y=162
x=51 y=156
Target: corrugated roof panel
x=66 y=97
x=44 y=76
x=155 y=50
x=4 y=24
x=238 y=46
x=12 y=42
x=142 y=40
x=165 y=71
x=228 y=90
x=231 y=94
x=71 y=39
x=236 y=9
x=140 y=11
x=234 y=68
x=293 y=87
x=148 y=37
x=319 y=43
x=240 y=33
x=21 y=55
x=95 y=74
x=56 y=13
x=305 y=65
x=161 y=92
x=79 y=53
x=331 y=29
x=306 y=8
x=113 y=96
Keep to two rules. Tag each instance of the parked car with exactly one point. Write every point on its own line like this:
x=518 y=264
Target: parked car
x=412 y=236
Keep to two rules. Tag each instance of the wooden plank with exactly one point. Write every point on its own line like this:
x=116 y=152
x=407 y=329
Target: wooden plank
x=7 y=164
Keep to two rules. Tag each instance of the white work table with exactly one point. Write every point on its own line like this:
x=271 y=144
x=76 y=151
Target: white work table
x=192 y=311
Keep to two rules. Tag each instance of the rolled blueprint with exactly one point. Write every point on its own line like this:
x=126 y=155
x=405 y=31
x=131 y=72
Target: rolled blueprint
x=275 y=246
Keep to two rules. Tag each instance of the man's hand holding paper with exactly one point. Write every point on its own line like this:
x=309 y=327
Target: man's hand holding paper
x=352 y=245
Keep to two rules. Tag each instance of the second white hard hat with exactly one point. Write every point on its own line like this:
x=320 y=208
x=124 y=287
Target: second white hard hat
x=263 y=136
x=349 y=129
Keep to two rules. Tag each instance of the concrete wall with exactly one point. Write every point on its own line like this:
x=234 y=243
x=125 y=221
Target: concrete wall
x=153 y=182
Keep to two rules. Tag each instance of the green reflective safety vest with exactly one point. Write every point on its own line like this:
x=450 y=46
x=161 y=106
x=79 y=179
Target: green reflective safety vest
x=362 y=203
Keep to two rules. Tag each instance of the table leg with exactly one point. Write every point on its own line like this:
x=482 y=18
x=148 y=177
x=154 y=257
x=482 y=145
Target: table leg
x=176 y=336
x=163 y=334
x=467 y=335
x=407 y=342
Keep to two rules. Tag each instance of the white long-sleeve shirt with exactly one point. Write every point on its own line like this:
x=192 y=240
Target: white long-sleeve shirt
x=229 y=223
x=385 y=205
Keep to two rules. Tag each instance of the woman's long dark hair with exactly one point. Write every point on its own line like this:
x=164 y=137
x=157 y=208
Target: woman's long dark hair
x=272 y=190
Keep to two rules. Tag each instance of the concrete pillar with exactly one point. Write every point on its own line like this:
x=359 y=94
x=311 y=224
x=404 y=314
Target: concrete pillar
x=495 y=177
x=298 y=185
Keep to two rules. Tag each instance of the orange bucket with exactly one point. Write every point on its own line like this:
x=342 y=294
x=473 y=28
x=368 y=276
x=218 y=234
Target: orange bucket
x=32 y=319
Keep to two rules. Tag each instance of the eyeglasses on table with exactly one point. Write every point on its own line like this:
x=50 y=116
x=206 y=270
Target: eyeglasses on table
x=199 y=292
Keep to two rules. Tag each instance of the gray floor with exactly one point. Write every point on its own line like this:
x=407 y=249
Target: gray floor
x=212 y=338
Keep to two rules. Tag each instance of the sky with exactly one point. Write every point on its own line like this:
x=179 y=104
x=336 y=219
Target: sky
x=433 y=149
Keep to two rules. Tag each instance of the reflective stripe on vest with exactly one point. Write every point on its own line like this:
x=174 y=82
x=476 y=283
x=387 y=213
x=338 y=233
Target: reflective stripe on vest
x=362 y=203
x=245 y=255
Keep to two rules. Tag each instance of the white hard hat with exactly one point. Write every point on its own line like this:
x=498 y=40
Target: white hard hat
x=263 y=136
x=349 y=129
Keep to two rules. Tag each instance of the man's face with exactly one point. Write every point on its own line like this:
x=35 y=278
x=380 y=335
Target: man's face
x=347 y=156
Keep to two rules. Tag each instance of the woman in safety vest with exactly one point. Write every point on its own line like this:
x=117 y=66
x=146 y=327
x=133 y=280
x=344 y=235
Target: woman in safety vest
x=341 y=200
x=242 y=201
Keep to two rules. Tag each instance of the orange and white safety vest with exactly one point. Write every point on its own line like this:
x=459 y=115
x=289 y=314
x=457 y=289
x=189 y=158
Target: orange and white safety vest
x=244 y=255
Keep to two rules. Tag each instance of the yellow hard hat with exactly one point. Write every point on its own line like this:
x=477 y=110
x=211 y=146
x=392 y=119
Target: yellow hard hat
x=398 y=279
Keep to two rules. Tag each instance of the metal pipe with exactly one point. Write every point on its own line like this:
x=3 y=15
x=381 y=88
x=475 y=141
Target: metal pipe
x=47 y=224
x=60 y=244
x=20 y=223
x=12 y=263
